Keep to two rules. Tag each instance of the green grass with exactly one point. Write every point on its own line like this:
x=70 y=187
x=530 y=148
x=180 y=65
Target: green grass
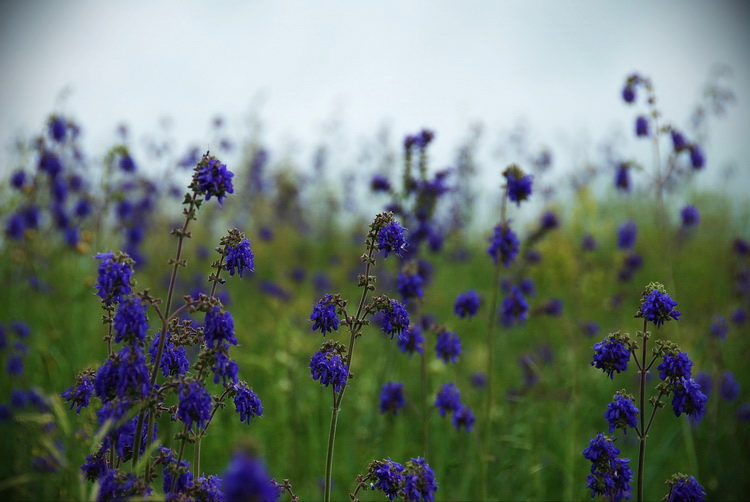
x=538 y=432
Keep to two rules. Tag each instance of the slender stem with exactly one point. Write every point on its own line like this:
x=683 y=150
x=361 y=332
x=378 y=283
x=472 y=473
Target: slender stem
x=642 y=446
x=653 y=412
x=361 y=484
x=197 y=457
x=179 y=457
x=331 y=441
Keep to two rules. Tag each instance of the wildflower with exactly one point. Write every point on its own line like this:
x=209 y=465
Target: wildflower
x=57 y=128
x=684 y=488
x=690 y=216
x=657 y=306
x=208 y=489
x=628 y=93
x=395 y=319
x=448 y=399
x=419 y=483
x=15 y=227
x=553 y=307
x=411 y=340
x=246 y=478
x=117 y=485
x=246 y=402
x=115 y=271
x=549 y=221
x=514 y=309
x=224 y=368
x=392 y=397
x=82 y=208
x=130 y=321
x=463 y=417
x=622 y=177
x=688 y=399
x=380 y=183
x=720 y=327
x=50 y=163
x=626 y=235
x=132 y=378
x=729 y=389
x=21 y=329
x=329 y=368
x=589 y=328
x=324 y=315
x=518 y=185
x=739 y=316
x=195 y=405
x=173 y=360
x=611 y=355
x=94 y=466
x=503 y=245
x=678 y=141
x=641 y=126
x=621 y=413
x=467 y=304
x=675 y=366
x=410 y=285
x=391 y=238
x=80 y=394
x=609 y=476
x=703 y=379
x=18 y=179
x=448 y=346
x=389 y=477
x=697 y=157
x=240 y=258
x=478 y=379
x=219 y=328
x=184 y=475
x=127 y=164
x=212 y=179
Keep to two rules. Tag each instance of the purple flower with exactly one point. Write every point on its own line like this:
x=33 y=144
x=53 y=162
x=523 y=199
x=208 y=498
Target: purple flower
x=80 y=394
x=246 y=402
x=588 y=243
x=324 y=315
x=467 y=304
x=380 y=183
x=219 y=328
x=628 y=93
x=589 y=328
x=611 y=355
x=703 y=379
x=212 y=179
x=627 y=234
x=184 y=475
x=130 y=321
x=503 y=245
x=389 y=476
x=609 y=476
x=410 y=285
x=514 y=309
x=391 y=238
x=329 y=368
x=690 y=216
x=194 y=406
x=57 y=128
x=448 y=346
x=224 y=368
x=392 y=397
x=463 y=417
x=675 y=366
x=127 y=164
x=688 y=399
x=720 y=327
x=697 y=157
x=679 y=142
x=519 y=185
x=240 y=258
x=448 y=399
x=21 y=329
x=622 y=177
x=114 y=277
x=411 y=340
x=173 y=360
x=247 y=479
x=641 y=126
x=549 y=221
x=18 y=179
x=729 y=389
x=395 y=319
x=621 y=413
x=657 y=307
x=419 y=481
x=132 y=377
x=686 y=489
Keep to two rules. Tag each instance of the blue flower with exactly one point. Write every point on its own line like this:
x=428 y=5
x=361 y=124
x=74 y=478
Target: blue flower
x=379 y=183
x=115 y=485
x=132 y=377
x=448 y=399
x=184 y=475
x=622 y=177
x=212 y=178
x=208 y=489
x=686 y=489
x=503 y=245
x=247 y=479
x=703 y=379
x=391 y=238
x=679 y=142
x=115 y=272
x=57 y=128
x=329 y=368
x=411 y=340
x=94 y=466
x=621 y=413
x=395 y=319
x=675 y=366
x=689 y=399
x=173 y=360
x=448 y=346
x=127 y=164
x=657 y=307
x=130 y=321
x=324 y=315
x=240 y=258
x=514 y=309
x=224 y=368
x=463 y=417
x=690 y=216
x=628 y=93
x=15 y=226
x=392 y=397
x=410 y=285
x=519 y=186
x=590 y=328
x=611 y=355
x=195 y=405
x=588 y=243
x=18 y=179
x=697 y=157
x=467 y=304
x=720 y=327
x=80 y=394
x=729 y=389
x=641 y=126
x=389 y=477
x=419 y=483
x=626 y=235
x=614 y=481
x=219 y=328
x=549 y=220
x=246 y=402
x=21 y=329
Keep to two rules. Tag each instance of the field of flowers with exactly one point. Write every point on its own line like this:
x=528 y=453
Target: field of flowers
x=261 y=333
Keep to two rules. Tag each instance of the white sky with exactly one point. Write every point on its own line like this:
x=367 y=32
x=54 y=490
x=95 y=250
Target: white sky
x=559 y=65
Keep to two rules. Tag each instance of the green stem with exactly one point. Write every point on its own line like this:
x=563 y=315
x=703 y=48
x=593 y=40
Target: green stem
x=331 y=441
x=179 y=457
x=642 y=446
x=197 y=458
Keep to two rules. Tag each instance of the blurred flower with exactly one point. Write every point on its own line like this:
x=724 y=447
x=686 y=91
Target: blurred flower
x=448 y=346
x=729 y=389
x=697 y=157
x=463 y=417
x=641 y=126
x=380 y=183
x=627 y=234
x=678 y=141
x=503 y=245
x=690 y=216
x=720 y=327
x=588 y=243
x=391 y=238
x=195 y=405
x=514 y=309
x=467 y=304
x=130 y=321
x=448 y=399
x=392 y=397
x=411 y=340
x=247 y=479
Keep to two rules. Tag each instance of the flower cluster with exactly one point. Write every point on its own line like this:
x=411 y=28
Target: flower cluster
x=130 y=321
x=212 y=179
x=219 y=328
x=503 y=245
x=327 y=366
x=611 y=354
x=246 y=478
x=114 y=282
x=195 y=405
x=392 y=397
x=324 y=315
x=448 y=346
x=514 y=309
x=448 y=402
x=411 y=340
x=391 y=238
x=627 y=234
x=610 y=476
x=688 y=399
x=518 y=184
x=621 y=412
x=246 y=402
x=657 y=306
x=684 y=488
x=467 y=304
x=240 y=257
x=395 y=319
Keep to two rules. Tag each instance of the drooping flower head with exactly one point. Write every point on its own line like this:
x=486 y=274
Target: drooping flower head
x=395 y=318
x=411 y=340
x=219 y=328
x=622 y=177
x=171 y=470
x=79 y=395
x=503 y=245
x=518 y=184
x=114 y=282
x=247 y=479
x=448 y=346
x=467 y=304
x=246 y=402
x=621 y=413
x=611 y=355
x=641 y=126
x=410 y=283
x=239 y=257
x=327 y=365
x=174 y=360
x=697 y=157
x=130 y=321
x=684 y=488
x=324 y=315
x=609 y=476
x=195 y=405
x=679 y=142
x=448 y=399
x=391 y=238
x=657 y=306
x=212 y=178
x=688 y=399
x=675 y=366
x=392 y=397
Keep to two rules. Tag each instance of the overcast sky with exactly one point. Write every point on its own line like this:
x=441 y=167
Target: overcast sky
x=557 y=65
